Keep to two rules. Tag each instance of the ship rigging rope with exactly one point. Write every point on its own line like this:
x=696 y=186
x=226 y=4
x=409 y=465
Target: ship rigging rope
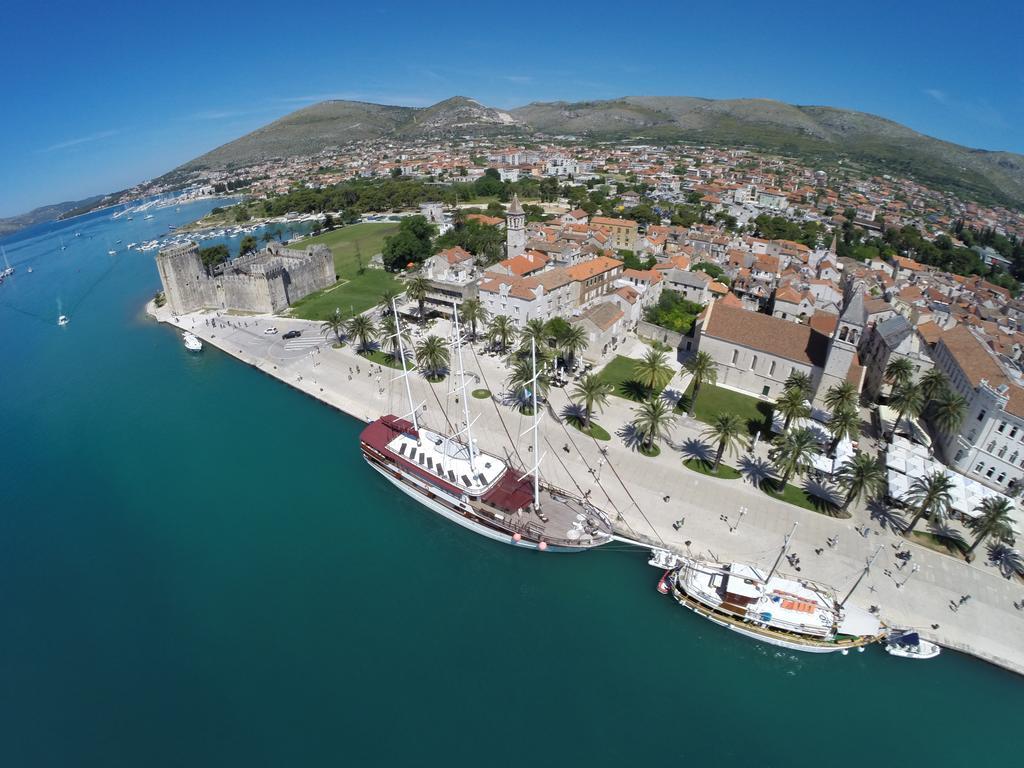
x=497 y=410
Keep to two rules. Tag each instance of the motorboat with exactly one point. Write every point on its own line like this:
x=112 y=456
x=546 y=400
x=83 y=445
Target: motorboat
x=62 y=320
x=192 y=342
x=908 y=644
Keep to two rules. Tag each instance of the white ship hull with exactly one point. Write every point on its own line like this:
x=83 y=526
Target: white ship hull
x=462 y=520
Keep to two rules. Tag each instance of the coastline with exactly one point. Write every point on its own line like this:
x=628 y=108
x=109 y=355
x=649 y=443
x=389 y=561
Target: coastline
x=919 y=606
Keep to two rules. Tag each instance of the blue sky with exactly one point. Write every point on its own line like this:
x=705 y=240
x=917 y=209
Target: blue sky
x=98 y=97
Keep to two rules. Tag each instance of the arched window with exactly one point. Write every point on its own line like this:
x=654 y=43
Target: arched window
x=1002 y=451
x=1013 y=457
x=1002 y=476
x=991 y=446
x=843 y=332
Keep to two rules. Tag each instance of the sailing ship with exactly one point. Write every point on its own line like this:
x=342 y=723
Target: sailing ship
x=797 y=614
x=8 y=270
x=450 y=475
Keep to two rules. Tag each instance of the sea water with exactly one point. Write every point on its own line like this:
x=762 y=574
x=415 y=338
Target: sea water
x=197 y=568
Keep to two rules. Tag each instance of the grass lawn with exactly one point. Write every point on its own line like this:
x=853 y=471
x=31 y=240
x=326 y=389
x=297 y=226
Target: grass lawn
x=654 y=451
x=791 y=494
x=713 y=400
x=619 y=373
x=481 y=394
x=595 y=431
x=383 y=358
x=354 y=292
x=725 y=472
x=930 y=540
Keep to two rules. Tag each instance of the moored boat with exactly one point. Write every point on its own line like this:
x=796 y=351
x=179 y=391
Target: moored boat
x=797 y=614
x=449 y=475
x=192 y=342
x=908 y=644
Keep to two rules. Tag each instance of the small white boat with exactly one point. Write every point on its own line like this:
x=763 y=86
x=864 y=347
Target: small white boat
x=192 y=342
x=148 y=216
x=62 y=320
x=907 y=644
x=111 y=253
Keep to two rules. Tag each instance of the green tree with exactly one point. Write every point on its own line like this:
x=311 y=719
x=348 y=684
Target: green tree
x=417 y=288
x=702 y=369
x=432 y=357
x=993 y=520
x=948 y=411
x=929 y=495
x=861 y=476
x=793 y=453
x=593 y=391
x=214 y=255
x=652 y=420
x=334 y=324
x=363 y=330
x=933 y=384
x=501 y=332
x=906 y=401
x=410 y=245
x=801 y=381
x=841 y=396
x=389 y=334
x=537 y=330
x=845 y=423
x=652 y=371
x=571 y=342
x=792 y=404
x=729 y=433
x=899 y=372
x=520 y=381
x=473 y=312
x=248 y=244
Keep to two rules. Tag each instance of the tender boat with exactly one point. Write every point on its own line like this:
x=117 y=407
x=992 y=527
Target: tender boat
x=907 y=644
x=63 y=320
x=797 y=614
x=192 y=342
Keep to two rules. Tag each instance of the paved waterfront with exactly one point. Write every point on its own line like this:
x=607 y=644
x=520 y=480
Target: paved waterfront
x=987 y=626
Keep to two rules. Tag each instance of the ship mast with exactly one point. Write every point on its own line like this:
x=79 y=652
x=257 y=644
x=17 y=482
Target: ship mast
x=536 y=426
x=863 y=573
x=782 y=552
x=461 y=387
x=405 y=371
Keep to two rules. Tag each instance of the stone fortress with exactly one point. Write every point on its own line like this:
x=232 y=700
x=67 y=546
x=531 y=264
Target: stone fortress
x=265 y=281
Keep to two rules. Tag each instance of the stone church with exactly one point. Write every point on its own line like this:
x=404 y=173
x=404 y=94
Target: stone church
x=756 y=353
x=266 y=281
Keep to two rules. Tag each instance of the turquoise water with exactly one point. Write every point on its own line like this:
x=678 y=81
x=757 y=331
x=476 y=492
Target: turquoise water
x=197 y=569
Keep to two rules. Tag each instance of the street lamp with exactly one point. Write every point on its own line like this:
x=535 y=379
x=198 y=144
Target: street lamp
x=732 y=528
x=913 y=570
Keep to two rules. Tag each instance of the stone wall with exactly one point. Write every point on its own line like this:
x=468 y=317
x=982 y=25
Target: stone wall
x=657 y=333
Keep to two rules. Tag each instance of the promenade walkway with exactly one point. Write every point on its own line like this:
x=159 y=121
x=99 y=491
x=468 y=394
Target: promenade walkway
x=661 y=491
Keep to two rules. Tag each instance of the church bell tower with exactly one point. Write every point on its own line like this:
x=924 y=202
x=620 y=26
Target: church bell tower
x=515 y=229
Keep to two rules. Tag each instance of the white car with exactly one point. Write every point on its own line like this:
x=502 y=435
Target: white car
x=271 y=331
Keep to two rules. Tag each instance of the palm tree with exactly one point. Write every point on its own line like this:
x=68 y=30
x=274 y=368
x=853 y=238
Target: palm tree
x=929 y=495
x=652 y=420
x=363 y=330
x=948 y=411
x=432 y=357
x=521 y=379
x=537 y=330
x=842 y=396
x=652 y=371
x=861 y=475
x=416 y=288
x=473 y=312
x=333 y=324
x=792 y=453
x=933 y=383
x=571 y=343
x=993 y=520
x=386 y=297
x=704 y=370
x=501 y=332
x=593 y=391
x=729 y=431
x=799 y=380
x=792 y=404
x=389 y=332
x=906 y=401
x=845 y=422
x=899 y=372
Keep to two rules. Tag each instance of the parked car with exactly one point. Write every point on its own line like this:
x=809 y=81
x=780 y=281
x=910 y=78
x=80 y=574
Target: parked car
x=292 y=335
x=270 y=331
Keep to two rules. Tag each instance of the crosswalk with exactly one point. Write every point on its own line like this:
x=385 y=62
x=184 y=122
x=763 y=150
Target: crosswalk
x=304 y=342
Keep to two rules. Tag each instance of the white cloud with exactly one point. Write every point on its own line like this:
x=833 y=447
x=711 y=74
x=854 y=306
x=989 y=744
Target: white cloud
x=939 y=96
x=517 y=78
